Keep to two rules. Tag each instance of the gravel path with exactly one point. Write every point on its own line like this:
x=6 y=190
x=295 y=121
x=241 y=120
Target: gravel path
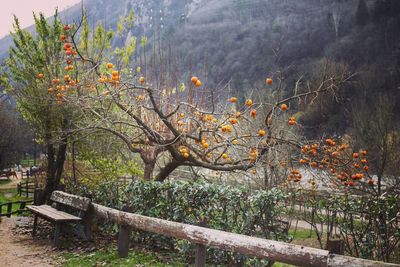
x=17 y=250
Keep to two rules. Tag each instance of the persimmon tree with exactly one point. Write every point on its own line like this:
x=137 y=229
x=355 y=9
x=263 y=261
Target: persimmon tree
x=29 y=70
x=171 y=122
x=377 y=128
x=351 y=191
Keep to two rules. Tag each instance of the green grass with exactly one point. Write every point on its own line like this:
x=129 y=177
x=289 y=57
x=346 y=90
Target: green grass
x=4 y=182
x=27 y=162
x=279 y=264
x=301 y=234
x=109 y=257
x=10 y=195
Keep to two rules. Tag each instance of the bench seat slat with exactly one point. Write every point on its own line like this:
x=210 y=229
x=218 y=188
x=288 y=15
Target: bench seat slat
x=53 y=214
x=77 y=202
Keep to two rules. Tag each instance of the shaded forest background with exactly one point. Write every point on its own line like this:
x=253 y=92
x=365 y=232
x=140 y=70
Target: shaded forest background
x=241 y=42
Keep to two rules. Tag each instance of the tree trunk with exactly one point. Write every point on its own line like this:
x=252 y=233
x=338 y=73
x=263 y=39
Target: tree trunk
x=73 y=164
x=50 y=171
x=61 y=155
x=266 y=178
x=166 y=171
x=55 y=167
x=148 y=169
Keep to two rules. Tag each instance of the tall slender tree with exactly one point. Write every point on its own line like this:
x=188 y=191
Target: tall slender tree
x=31 y=68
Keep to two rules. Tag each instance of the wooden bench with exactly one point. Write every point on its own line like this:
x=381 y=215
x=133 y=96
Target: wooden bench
x=60 y=213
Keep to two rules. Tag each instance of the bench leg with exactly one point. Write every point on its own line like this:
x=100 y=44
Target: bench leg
x=87 y=224
x=35 y=220
x=57 y=231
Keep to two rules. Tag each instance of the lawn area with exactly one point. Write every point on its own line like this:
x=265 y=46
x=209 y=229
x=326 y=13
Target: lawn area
x=109 y=257
x=279 y=264
x=4 y=182
x=27 y=162
x=10 y=195
x=301 y=234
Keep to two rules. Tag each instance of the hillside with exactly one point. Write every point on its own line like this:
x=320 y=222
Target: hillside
x=244 y=41
x=148 y=13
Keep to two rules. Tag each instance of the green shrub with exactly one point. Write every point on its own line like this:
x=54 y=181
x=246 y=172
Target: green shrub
x=237 y=210
x=368 y=224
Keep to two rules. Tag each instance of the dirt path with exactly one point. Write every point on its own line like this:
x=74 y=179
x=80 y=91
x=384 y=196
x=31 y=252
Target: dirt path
x=18 y=250
x=11 y=185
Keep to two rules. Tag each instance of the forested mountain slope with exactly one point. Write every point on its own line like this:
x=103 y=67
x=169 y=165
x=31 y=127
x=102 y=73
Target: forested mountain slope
x=244 y=41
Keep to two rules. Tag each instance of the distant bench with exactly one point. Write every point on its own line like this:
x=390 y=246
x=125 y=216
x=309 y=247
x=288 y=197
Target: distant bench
x=66 y=209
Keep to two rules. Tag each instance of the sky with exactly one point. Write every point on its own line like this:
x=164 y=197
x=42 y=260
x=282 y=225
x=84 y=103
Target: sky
x=23 y=10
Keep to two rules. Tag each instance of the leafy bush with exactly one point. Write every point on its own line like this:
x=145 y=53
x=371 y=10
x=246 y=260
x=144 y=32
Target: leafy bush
x=238 y=210
x=368 y=224
x=106 y=168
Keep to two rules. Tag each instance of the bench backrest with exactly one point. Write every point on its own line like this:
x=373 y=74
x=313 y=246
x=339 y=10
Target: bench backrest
x=77 y=202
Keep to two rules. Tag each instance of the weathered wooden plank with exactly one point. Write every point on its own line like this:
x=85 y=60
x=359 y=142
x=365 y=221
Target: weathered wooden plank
x=200 y=258
x=341 y=260
x=43 y=213
x=55 y=214
x=78 y=202
x=87 y=223
x=247 y=245
x=44 y=210
x=124 y=236
x=58 y=213
x=52 y=214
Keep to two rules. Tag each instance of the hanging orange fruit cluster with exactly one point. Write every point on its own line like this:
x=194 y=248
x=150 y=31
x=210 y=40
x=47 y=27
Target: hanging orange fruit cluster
x=59 y=90
x=292 y=121
x=294 y=176
x=196 y=81
x=348 y=167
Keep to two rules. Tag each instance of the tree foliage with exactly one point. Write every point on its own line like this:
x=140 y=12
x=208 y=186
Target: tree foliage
x=32 y=67
x=150 y=109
